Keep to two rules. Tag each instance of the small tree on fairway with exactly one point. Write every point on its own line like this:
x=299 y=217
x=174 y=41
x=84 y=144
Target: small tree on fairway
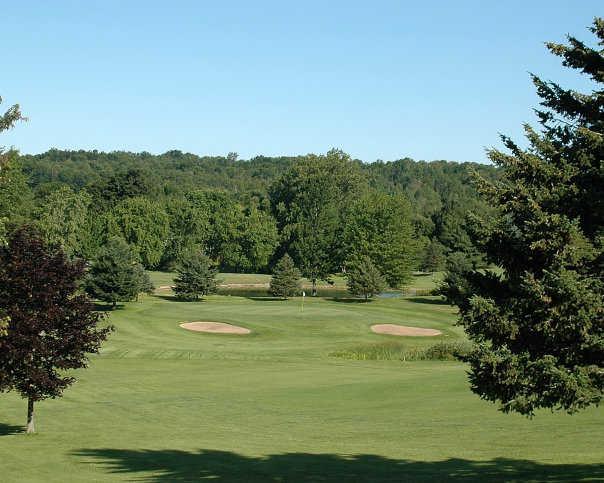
x=364 y=278
x=285 y=281
x=196 y=277
x=115 y=274
x=49 y=325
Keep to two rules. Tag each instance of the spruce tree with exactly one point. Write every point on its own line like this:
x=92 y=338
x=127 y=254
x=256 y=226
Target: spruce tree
x=196 y=277
x=539 y=326
x=285 y=281
x=115 y=275
x=364 y=279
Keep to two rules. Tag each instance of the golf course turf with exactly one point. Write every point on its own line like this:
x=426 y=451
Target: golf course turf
x=165 y=404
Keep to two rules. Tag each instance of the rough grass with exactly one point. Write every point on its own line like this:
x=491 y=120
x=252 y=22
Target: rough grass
x=163 y=404
x=397 y=351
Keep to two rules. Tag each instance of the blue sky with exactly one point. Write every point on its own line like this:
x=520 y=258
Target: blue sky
x=378 y=79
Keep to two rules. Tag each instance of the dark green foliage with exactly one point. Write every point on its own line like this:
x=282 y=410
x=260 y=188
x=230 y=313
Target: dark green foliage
x=190 y=229
x=143 y=281
x=285 y=281
x=240 y=239
x=144 y=225
x=49 y=325
x=539 y=327
x=63 y=220
x=439 y=192
x=308 y=202
x=380 y=227
x=363 y=278
x=116 y=275
x=432 y=257
x=196 y=277
x=16 y=199
x=132 y=183
x=15 y=194
x=455 y=286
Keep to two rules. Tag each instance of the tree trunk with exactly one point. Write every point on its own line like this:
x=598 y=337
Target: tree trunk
x=314 y=287
x=30 y=416
x=113 y=305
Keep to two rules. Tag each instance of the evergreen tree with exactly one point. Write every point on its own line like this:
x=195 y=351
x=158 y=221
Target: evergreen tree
x=364 y=279
x=285 y=281
x=455 y=286
x=433 y=257
x=115 y=274
x=539 y=327
x=196 y=277
x=143 y=281
x=48 y=325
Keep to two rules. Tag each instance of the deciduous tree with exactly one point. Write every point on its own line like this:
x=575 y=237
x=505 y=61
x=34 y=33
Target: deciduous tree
x=50 y=326
x=144 y=224
x=379 y=226
x=63 y=220
x=308 y=202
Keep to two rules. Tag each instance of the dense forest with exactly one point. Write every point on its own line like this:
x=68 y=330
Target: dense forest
x=164 y=205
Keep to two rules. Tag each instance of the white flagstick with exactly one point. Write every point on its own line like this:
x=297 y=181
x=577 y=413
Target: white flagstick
x=303 y=296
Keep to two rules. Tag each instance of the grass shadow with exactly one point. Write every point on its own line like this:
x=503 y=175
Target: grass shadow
x=349 y=300
x=267 y=299
x=174 y=298
x=8 y=429
x=425 y=300
x=100 y=307
x=223 y=466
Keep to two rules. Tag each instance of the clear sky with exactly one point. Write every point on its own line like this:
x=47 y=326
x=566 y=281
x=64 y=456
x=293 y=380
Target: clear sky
x=378 y=79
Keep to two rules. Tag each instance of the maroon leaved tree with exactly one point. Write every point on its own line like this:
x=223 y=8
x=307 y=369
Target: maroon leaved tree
x=50 y=325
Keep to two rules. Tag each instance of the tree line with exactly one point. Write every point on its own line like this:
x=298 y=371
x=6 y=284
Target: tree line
x=243 y=213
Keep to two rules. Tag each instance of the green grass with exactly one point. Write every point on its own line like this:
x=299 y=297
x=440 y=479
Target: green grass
x=396 y=351
x=164 y=404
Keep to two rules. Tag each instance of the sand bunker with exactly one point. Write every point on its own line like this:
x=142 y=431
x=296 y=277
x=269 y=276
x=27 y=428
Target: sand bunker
x=214 y=328
x=393 y=329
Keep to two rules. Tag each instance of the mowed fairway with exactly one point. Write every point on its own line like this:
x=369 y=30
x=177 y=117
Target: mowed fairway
x=165 y=404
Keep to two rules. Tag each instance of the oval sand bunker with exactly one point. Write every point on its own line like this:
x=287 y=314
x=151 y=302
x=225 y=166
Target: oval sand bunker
x=393 y=329
x=214 y=328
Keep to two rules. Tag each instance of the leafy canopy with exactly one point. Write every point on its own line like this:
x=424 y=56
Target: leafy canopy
x=49 y=325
